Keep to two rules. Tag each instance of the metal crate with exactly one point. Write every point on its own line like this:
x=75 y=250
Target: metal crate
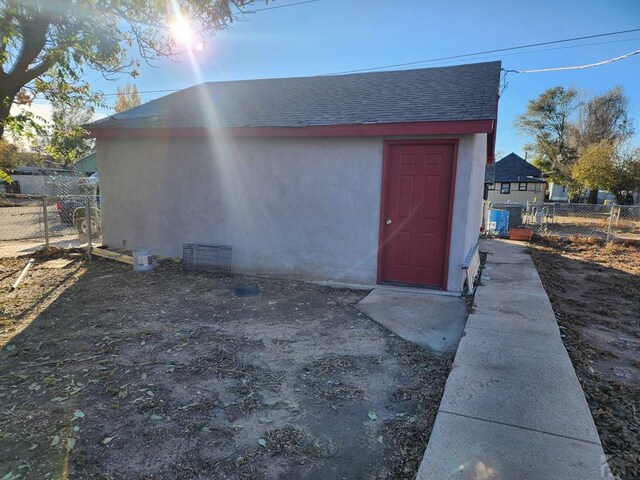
x=202 y=256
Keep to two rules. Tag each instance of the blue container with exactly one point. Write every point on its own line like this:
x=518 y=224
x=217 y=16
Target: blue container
x=499 y=222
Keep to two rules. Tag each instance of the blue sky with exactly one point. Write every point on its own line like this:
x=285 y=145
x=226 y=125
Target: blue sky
x=329 y=36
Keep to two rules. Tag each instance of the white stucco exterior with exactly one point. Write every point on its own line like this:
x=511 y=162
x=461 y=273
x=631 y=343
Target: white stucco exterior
x=307 y=208
x=533 y=194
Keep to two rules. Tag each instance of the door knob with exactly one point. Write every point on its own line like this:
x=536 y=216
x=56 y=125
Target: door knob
x=388 y=221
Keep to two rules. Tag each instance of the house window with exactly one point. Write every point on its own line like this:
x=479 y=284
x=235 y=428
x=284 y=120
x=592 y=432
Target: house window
x=522 y=187
x=491 y=186
x=505 y=188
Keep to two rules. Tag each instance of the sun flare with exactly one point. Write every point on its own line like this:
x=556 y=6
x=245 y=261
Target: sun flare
x=182 y=31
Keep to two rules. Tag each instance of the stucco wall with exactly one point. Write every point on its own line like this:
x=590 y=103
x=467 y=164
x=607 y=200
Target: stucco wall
x=518 y=196
x=467 y=207
x=302 y=207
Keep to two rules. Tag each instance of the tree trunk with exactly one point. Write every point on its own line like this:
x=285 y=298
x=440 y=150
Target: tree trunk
x=593 y=196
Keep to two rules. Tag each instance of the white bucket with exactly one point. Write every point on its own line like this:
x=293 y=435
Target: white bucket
x=142 y=260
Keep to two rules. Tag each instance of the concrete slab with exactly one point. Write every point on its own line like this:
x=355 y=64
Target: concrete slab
x=513 y=300
x=501 y=247
x=492 y=348
x=542 y=399
x=523 y=274
x=520 y=325
x=432 y=321
x=513 y=406
x=463 y=448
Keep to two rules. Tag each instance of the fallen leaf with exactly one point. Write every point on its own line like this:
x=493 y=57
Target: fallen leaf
x=77 y=414
x=262 y=442
x=55 y=441
x=11 y=476
x=380 y=439
x=265 y=420
x=156 y=417
x=372 y=416
x=71 y=442
x=107 y=440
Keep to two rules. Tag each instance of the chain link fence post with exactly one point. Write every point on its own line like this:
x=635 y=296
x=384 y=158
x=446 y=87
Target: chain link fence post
x=610 y=222
x=45 y=220
x=88 y=222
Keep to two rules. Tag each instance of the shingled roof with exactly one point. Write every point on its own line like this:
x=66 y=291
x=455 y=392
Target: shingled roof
x=512 y=168
x=464 y=92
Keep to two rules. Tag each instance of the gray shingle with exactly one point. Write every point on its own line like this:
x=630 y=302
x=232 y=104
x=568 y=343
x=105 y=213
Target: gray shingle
x=464 y=92
x=512 y=168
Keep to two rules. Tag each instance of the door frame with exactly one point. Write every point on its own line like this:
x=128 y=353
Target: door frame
x=386 y=161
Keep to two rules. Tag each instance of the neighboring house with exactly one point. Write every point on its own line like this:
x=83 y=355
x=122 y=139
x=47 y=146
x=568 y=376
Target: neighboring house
x=40 y=180
x=87 y=164
x=557 y=192
x=560 y=193
x=514 y=180
x=358 y=179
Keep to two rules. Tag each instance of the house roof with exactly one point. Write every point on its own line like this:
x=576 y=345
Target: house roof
x=87 y=164
x=446 y=94
x=512 y=168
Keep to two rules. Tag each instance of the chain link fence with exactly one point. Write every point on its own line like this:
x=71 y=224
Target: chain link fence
x=62 y=210
x=606 y=222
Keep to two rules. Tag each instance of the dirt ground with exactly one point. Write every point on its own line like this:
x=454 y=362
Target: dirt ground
x=109 y=374
x=595 y=292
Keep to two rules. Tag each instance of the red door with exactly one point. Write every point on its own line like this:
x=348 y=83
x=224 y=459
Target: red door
x=415 y=218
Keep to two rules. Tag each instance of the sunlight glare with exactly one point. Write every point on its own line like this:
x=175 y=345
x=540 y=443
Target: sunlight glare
x=181 y=31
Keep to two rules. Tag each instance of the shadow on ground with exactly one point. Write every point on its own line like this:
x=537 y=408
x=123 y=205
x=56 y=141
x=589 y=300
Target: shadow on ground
x=169 y=375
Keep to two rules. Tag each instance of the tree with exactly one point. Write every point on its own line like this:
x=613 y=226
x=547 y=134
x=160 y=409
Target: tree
x=605 y=167
x=128 y=97
x=68 y=141
x=45 y=45
x=604 y=118
x=548 y=123
x=8 y=159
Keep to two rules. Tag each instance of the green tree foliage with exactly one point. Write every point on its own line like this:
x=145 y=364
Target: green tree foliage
x=67 y=140
x=547 y=122
x=603 y=118
x=604 y=166
x=46 y=45
x=128 y=97
x=8 y=159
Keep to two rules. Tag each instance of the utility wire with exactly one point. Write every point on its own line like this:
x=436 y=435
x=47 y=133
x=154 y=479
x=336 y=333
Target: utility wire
x=278 y=6
x=464 y=55
x=577 y=67
x=497 y=50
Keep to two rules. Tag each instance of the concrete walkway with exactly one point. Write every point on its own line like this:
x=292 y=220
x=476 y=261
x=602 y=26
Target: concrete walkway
x=429 y=320
x=513 y=407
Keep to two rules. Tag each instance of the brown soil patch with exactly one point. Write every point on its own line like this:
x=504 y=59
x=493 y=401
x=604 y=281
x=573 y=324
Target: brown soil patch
x=108 y=374
x=595 y=292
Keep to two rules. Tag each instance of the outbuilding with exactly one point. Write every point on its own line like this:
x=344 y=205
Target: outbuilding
x=362 y=179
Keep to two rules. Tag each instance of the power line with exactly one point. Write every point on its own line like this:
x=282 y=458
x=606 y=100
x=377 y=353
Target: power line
x=577 y=67
x=497 y=50
x=278 y=6
x=171 y=90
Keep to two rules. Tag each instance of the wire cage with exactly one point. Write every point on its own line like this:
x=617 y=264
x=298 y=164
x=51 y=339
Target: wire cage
x=212 y=258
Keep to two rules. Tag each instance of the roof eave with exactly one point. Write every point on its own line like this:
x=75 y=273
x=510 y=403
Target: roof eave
x=455 y=127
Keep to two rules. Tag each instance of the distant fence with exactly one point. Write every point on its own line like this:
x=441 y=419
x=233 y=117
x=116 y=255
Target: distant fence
x=62 y=215
x=607 y=222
